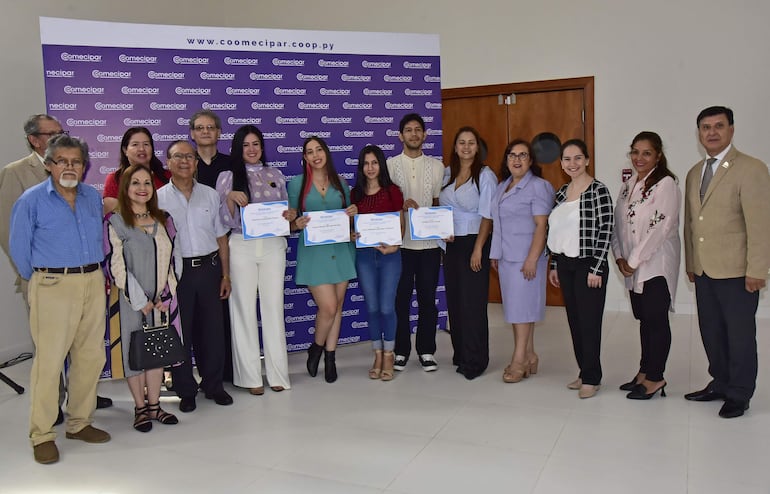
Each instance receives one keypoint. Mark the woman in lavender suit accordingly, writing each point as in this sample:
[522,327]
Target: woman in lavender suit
[520,209]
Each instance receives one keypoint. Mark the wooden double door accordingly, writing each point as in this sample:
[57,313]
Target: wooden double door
[503,112]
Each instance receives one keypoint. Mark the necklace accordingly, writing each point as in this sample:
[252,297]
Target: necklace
[325,184]
[139,216]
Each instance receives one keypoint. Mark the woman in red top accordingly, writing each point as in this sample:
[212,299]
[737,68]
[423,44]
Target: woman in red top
[136,148]
[379,268]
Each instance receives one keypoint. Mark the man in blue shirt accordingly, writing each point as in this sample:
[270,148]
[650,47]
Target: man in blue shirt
[56,244]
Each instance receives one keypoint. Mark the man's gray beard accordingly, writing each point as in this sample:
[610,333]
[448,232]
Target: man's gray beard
[68,183]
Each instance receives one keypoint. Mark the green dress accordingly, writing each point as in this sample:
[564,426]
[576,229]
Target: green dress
[322,264]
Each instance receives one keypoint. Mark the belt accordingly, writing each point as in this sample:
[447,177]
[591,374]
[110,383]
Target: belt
[88,268]
[195,262]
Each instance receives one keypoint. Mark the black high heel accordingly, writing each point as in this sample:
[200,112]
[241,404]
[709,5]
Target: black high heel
[630,385]
[640,392]
[314,358]
[330,366]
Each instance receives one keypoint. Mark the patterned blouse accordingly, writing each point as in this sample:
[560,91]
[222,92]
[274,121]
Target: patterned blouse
[266,184]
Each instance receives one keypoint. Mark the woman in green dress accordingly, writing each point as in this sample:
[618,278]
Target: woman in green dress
[325,269]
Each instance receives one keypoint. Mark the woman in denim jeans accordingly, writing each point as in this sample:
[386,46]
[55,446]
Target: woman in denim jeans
[379,268]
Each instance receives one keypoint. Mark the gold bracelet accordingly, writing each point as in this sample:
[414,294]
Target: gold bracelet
[225,277]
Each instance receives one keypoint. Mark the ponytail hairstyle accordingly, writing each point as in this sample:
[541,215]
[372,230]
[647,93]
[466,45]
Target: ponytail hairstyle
[661,168]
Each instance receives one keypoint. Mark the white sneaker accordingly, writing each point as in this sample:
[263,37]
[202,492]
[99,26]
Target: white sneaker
[428,362]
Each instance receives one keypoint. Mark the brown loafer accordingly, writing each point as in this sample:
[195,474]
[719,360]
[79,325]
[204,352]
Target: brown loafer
[90,434]
[277,389]
[46,452]
[257,391]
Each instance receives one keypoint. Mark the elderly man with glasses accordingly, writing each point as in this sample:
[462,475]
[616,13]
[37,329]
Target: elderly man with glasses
[19,176]
[56,244]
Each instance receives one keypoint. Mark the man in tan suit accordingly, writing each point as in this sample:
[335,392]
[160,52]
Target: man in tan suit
[727,256]
[20,175]
[17,177]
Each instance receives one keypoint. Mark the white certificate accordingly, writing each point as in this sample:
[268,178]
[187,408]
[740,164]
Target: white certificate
[327,227]
[431,223]
[378,228]
[264,219]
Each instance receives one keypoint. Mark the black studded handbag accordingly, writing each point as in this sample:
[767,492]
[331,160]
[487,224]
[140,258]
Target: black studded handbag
[154,347]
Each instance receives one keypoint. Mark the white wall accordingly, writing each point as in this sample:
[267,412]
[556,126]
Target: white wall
[656,63]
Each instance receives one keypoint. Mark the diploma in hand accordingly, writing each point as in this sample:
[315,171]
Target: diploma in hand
[431,223]
[327,227]
[378,228]
[264,219]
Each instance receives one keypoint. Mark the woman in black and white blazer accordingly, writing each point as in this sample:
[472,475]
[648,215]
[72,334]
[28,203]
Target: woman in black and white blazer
[580,230]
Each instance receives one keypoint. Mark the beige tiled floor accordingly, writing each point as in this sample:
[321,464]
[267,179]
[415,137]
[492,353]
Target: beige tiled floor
[425,432]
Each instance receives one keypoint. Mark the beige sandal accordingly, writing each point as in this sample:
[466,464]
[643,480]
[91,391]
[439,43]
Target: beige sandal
[376,370]
[387,366]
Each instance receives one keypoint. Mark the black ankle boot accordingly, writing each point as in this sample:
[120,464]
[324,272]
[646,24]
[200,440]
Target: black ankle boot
[330,367]
[313,358]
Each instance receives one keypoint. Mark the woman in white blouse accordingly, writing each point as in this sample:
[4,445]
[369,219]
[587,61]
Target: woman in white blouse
[646,247]
[468,190]
[579,234]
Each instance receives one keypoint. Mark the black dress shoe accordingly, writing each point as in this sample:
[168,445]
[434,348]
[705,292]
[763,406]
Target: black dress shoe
[103,402]
[220,397]
[187,404]
[733,408]
[59,418]
[704,395]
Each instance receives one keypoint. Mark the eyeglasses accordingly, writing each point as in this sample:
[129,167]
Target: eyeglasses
[50,134]
[519,156]
[63,163]
[646,154]
[201,128]
[183,157]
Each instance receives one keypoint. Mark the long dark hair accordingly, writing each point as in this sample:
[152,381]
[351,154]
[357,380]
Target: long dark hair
[307,173]
[454,160]
[240,179]
[534,166]
[661,168]
[383,179]
[124,203]
[156,166]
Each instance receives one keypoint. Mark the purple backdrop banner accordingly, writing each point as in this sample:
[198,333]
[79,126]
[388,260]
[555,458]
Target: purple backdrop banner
[349,88]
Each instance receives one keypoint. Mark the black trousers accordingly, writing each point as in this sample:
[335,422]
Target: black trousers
[419,270]
[650,308]
[728,327]
[467,294]
[200,311]
[585,308]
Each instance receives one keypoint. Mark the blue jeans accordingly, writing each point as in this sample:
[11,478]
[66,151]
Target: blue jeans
[378,276]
